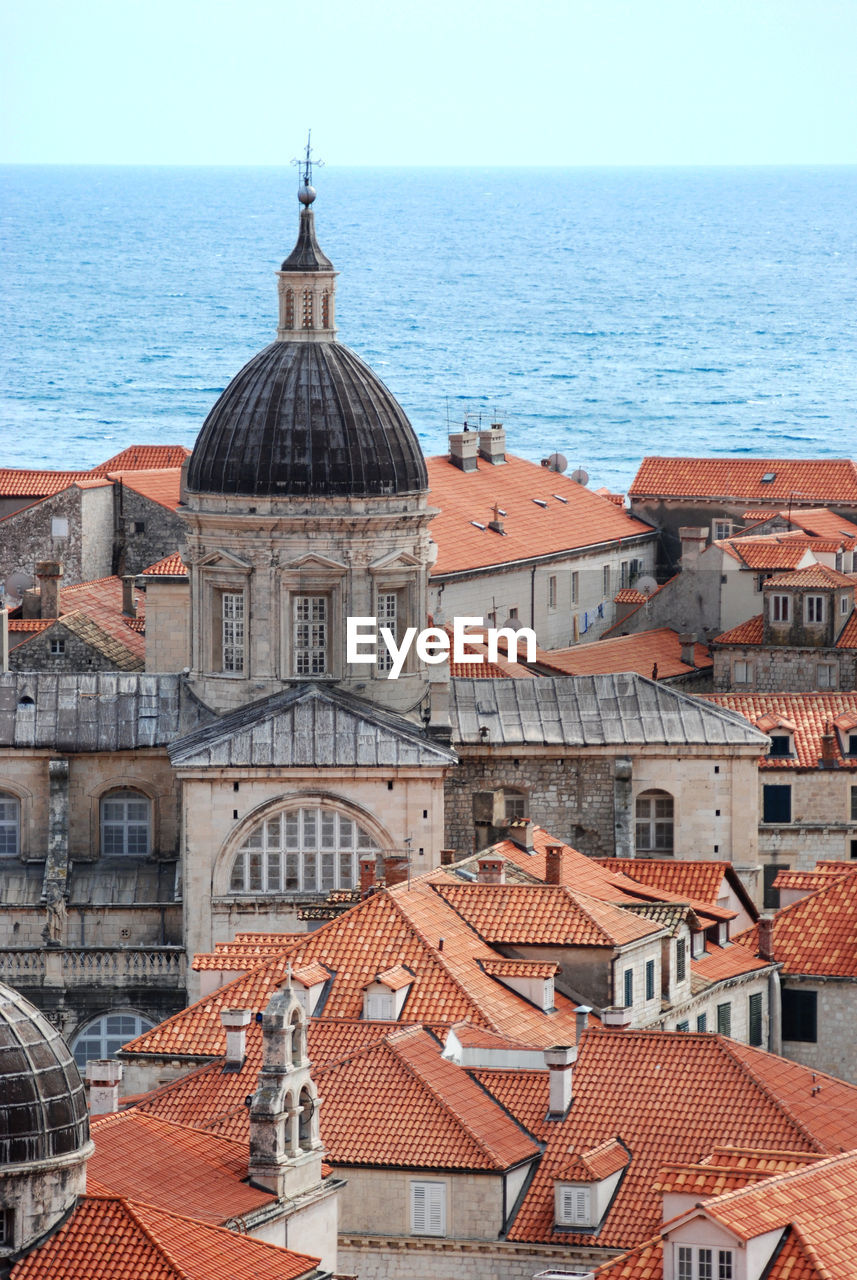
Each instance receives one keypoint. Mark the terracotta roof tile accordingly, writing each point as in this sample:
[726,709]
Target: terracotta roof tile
[818,933]
[731,961]
[848,635]
[544,915]
[170,567]
[595,1164]
[669,1097]
[808,881]
[110,1238]
[395,978]
[776,553]
[827,480]
[810,713]
[582,520]
[19,482]
[144,457]
[814,575]
[101,600]
[207,1174]
[630,595]
[161,486]
[638,652]
[702,881]
[621,621]
[520,968]
[749,632]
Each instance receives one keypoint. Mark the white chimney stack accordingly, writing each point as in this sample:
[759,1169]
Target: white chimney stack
[103,1078]
[235,1022]
[559,1060]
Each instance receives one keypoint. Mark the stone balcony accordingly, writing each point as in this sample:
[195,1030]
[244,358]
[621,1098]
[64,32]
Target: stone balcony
[116,968]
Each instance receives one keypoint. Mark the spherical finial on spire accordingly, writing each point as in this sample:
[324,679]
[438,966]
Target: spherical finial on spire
[306,194]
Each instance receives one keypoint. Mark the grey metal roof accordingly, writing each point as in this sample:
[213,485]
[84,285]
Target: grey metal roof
[583,711]
[107,711]
[309,726]
[305,419]
[307,254]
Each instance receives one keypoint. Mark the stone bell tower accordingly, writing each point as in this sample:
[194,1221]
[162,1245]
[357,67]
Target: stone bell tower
[285,1148]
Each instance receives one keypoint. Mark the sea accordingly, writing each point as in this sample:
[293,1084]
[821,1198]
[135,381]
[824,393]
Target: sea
[602,314]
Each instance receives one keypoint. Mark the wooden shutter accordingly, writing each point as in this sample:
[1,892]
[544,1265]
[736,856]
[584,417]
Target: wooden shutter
[428,1208]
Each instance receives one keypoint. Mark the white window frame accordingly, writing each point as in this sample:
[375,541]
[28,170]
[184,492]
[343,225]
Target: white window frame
[781,607]
[310,634]
[57,646]
[573,1205]
[233,632]
[308,850]
[844,606]
[703,1262]
[742,671]
[105,1035]
[658,830]
[387,614]
[379,1006]
[830,678]
[428,1208]
[10,825]
[814,610]
[59,526]
[125,834]
[552,592]
[575,586]
[722,529]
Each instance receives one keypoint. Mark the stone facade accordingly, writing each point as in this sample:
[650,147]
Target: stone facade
[408,1258]
[60,648]
[74,527]
[781,669]
[835,1048]
[168,645]
[146,530]
[823,817]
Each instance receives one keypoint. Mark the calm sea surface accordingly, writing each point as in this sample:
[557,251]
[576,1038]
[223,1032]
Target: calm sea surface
[602,313]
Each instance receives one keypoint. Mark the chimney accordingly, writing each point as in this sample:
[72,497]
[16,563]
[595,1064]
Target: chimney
[395,869]
[693,540]
[520,832]
[447,857]
[553,864]
[129,602]
[687,640]
[491,871]
[581,1019]
[559,1060]
[766,938]
[828,748]
[236,1022]
[48,574]
[492,444]
[367,874]
[462,449]
[497,523]
[103,1079]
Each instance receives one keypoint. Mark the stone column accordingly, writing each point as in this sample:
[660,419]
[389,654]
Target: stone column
[623,812]
[55,883]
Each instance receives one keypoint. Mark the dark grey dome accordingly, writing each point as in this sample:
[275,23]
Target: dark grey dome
[307,419]
[42,1101]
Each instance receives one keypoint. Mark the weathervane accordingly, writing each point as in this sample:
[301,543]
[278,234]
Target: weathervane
[306,192]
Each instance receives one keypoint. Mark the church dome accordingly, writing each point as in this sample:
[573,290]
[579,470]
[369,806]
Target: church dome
[43,1111]
[307,419]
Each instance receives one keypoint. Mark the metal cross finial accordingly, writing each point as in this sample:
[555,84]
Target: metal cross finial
[307,161]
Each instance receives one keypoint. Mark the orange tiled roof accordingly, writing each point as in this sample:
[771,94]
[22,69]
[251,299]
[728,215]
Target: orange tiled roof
[19,482]
[581,520]
[731,961]
[729,1168]
[810,713]
[395,978]
[144,457]
[170,567]
[311,974]
[599,1162]
[671,1097]
[818,933]
[749,632]
[848,635]
[392,927]
[173,1167]
[520,968]
[818,522]
[808,881]
[29,625]
[814,575]
[642,604]
[639,652]
[111,1238]
[701,881]
[826,480]
[775,553]
[793,1261]
[543,915]
[161,486]
[630,595]
[101,600]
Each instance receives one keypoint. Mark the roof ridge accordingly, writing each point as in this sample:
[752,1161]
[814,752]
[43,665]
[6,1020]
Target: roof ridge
[437,956]
[725,1045]
[130,1208]
[789,1174]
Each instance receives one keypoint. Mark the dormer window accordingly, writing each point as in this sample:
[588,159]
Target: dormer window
[573,1206]
[384,998]
[814,609]
[697,944]
[781,744]
[701,1262]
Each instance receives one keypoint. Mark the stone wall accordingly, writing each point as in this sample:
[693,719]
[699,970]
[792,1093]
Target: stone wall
[835,1050]
[781,670]
[414,1259]
[161,534]
[821,825]
[77,656]
[167,625]
[86,552]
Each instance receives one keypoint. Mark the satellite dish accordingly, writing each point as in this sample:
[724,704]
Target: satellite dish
[646,585]
[580,476]
[557,462]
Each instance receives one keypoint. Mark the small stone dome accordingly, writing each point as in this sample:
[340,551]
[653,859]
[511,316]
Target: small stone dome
[43,1111]
[307,419]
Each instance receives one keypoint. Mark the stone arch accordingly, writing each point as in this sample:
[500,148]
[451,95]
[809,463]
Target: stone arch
[306,1117]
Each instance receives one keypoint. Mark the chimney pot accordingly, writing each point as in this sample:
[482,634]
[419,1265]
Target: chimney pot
[235,1023]
[553,864]
[828,747]
[463,446]
[581,1019]
[693,540]
[367,874]
[395,869]
[559,1060]
[103,1078]
[521,833]
[687,640]
[492,444]
[129,602]
[447,857]
[766,938]
[491,871]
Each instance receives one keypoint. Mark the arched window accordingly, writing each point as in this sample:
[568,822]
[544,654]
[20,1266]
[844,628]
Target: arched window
[654,822]
[290,309]
[301,851]
[126,819]
[106,1035]
[307,1106]
[10,825]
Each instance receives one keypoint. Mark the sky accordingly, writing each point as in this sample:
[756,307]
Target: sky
[451,82]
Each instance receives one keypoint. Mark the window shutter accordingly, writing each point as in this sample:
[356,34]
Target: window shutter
[567,1204]
[428,1208]
[436,1209]
[418,1208]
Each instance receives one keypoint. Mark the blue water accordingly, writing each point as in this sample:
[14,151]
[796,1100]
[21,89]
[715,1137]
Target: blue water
[602,313]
